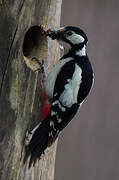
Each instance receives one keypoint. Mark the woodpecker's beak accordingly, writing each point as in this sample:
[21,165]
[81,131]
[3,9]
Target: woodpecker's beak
[55,34]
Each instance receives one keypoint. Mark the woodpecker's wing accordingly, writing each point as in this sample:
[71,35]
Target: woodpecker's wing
[64,104]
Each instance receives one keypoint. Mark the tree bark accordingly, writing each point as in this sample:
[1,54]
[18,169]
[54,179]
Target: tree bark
[20,96]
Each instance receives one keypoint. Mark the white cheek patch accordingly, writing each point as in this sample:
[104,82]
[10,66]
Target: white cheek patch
[70,93]
[75,38]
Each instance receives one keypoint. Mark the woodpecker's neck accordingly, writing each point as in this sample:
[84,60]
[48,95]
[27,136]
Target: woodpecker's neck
[76,50]
[81,52]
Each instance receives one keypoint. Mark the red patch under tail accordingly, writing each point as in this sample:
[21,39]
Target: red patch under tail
[47,105]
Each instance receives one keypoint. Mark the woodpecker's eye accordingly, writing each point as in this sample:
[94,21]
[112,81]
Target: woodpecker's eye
[69,33]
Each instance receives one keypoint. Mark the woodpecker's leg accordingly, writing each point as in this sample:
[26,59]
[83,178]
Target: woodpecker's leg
[41,68]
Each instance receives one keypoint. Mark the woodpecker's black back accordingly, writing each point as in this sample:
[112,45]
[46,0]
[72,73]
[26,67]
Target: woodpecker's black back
[87,78]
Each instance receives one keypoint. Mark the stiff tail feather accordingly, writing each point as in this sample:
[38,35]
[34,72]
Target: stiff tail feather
[38,143]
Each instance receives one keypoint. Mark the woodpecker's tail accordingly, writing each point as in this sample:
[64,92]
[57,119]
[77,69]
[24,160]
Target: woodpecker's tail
[38,142]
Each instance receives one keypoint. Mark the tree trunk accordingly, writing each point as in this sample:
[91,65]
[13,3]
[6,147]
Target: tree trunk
[20,96]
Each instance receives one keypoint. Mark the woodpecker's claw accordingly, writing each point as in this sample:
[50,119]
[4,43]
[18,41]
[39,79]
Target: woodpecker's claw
[41,66]
[41,63]
[38,61]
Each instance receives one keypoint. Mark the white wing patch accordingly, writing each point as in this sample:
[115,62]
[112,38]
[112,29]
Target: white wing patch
[50,81]
[70,93]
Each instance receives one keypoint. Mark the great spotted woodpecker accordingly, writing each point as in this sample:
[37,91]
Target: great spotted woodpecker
[67,85]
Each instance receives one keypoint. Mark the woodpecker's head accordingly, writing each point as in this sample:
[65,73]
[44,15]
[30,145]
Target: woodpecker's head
[70,37]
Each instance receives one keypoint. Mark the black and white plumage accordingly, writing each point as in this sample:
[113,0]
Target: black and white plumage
[67,85]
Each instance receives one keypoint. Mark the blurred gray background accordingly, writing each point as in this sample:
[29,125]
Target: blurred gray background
[88,148]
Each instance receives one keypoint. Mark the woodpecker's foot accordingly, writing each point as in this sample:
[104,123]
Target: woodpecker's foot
[41,66]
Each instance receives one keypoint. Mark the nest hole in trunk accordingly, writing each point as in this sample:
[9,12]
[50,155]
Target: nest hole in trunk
[35,43]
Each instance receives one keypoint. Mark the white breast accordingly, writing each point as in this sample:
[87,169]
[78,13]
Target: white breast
[70,93]
[50,81]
